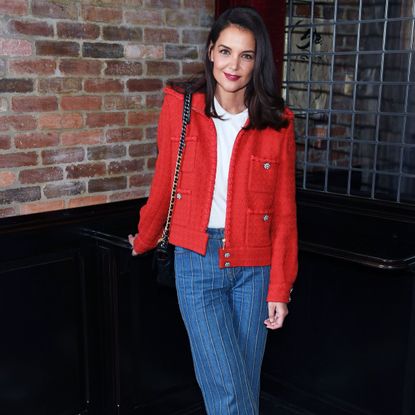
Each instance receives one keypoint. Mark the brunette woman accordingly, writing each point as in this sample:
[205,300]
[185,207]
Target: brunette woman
[234,220]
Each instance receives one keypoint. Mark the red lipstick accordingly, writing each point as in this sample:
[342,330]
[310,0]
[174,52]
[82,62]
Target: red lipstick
[231,77]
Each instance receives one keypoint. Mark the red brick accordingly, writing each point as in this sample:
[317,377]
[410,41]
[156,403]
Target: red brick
[39,207]
[154,101]
[143,85]
[136,194]
[192,68]
[87,201]
[122,33]
[102,50]
[124,134]
[19,7]
[162,68]
[199,4]
[41,175]
[195,36]
[80,67]
[5,142]
[144,52]
[172,4]
[189,17]
[102,14]
[57,48]
[143,149]
[30,28]
[77,30]
[18,159]
[151,133]
[84,137]
[123,102]
[55,190]
[81,103]
[18,122]
[6,212]
[59,85]
[151,163]
[16,85]
[60,121]
[36,140]
[180,52]
[34,104]
[63,155]
[22,194]
[143,117]
[140,180]
[103,119]
[75,171]
[54,9]
[143,17]
[161,35]
[38,67]
[7,178]
[107,184]
[15,47]
[125,166]
[103,85]
[106,152]
[121,68]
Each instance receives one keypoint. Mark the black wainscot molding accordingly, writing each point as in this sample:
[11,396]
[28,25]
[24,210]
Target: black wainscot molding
[86,330]
[348,346]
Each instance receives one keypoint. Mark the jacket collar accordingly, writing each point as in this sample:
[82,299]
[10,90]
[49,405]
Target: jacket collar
[198,99]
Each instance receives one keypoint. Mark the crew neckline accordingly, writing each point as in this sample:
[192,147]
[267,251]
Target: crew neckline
[222,110]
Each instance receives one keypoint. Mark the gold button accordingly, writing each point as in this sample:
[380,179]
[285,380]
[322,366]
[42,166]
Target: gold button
[227,255]
[266,218]
[179,196]
[227,264]
[267,166]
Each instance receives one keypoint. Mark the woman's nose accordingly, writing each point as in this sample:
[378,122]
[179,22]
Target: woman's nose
[234,63]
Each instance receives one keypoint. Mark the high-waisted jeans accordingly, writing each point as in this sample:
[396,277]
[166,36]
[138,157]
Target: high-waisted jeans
[223,311]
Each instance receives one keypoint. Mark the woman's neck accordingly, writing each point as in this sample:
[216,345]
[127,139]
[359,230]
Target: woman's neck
[233,103]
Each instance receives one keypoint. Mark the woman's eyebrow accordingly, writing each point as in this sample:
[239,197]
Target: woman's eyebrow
[244,51]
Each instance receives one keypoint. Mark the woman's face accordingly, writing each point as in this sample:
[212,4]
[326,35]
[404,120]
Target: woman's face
[233,57]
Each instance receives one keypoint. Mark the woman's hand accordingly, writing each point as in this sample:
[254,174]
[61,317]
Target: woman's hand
[131,241]
[277,313]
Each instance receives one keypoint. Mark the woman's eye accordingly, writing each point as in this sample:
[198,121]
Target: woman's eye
[224,51]
[248,56]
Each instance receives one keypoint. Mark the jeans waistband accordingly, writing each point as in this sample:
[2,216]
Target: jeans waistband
[216,233]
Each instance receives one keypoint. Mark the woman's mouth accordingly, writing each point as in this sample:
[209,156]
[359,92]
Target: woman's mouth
[231,77]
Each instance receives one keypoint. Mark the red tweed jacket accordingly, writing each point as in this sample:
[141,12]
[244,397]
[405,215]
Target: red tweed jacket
[261,227]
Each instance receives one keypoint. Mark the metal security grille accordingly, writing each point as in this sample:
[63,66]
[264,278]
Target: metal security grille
[349,76]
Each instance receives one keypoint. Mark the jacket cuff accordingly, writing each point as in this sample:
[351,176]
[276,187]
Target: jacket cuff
[280,294]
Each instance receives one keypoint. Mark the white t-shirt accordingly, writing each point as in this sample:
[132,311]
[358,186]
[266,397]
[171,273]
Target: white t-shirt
[226,131]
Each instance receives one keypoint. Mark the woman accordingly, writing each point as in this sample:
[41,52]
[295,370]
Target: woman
[234,220]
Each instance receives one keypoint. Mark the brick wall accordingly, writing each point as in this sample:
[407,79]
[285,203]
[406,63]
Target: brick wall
[80,93]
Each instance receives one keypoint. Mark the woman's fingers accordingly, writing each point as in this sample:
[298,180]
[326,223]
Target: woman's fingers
[131,241]
[276,315]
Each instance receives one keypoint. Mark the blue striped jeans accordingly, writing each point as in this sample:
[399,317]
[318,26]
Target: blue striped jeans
[223,311]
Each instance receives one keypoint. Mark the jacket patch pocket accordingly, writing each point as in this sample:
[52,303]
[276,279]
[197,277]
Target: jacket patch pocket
[258,228]
[262,174]
[182,205]
[189,152]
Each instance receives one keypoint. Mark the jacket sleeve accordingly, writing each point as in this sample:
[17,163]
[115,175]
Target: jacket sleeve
[154,213]
[284,263]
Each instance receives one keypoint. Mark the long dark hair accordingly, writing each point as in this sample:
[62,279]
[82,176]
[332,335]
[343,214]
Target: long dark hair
[264,104]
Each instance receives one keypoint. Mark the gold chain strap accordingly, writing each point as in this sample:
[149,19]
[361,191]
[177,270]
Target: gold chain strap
[186,120]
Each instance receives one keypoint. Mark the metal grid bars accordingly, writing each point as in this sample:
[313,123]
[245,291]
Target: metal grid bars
[349,76]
